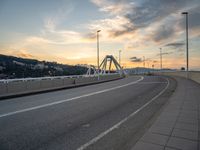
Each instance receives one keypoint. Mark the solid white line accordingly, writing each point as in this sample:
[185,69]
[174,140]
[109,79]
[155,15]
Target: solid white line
[152,83]
[70,99]
[94,140]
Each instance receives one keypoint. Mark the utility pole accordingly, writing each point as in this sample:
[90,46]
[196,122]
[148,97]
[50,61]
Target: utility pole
[160,58]
[144,61]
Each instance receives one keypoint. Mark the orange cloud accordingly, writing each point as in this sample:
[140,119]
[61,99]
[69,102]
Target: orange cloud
[24,55]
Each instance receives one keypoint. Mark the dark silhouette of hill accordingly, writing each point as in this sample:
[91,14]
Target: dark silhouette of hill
[16,67]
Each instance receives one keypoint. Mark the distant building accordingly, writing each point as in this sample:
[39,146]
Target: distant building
[18,63]
[40,66]
[58,69]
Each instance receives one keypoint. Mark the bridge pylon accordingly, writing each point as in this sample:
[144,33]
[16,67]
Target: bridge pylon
[106,65]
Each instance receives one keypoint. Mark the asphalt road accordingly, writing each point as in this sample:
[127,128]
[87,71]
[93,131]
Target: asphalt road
[103,116]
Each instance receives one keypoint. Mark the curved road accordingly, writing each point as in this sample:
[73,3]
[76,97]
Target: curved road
[109,115]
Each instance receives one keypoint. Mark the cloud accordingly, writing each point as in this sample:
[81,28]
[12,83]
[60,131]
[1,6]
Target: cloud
[17,52]
[37,40]
[175,45]
[161,18]
[167,53]
[155,61]
[125,29]
[59,15]
[117,24]
[112,27]
[163,33]
[91,36]
[193,18]
[52,34]
[49,24]
[113,7]
[193,21]
[135,59]
[24,55]
[150,11]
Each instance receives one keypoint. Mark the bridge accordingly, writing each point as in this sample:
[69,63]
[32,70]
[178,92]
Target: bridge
[83,112]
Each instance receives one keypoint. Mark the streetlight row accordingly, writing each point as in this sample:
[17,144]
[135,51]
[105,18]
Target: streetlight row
[187,53]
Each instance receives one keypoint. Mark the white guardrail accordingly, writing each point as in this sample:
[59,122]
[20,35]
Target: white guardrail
[40,78]
[30,85]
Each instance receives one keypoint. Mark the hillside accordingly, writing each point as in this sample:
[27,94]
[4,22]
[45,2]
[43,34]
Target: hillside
[15,67]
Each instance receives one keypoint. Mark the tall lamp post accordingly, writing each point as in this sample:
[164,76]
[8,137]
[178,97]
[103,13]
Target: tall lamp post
[120,57]
[187,61]
[98,51]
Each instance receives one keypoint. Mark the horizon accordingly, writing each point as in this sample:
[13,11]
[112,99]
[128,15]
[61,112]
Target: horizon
[87,64]
[65,31]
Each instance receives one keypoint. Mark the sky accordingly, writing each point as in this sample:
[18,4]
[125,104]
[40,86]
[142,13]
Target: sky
[65,31]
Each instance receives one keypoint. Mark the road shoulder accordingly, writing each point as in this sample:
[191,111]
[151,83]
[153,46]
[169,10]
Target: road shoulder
[176,127]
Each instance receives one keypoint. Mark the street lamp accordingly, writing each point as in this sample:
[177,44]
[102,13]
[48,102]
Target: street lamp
[144,61]
[120,57]
[160,58]
[98,51]
[186,17]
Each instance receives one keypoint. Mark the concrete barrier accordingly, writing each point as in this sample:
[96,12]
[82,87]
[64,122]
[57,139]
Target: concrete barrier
[110,77]
[46,83]
[85,80]
[32,85]
[69,81]
[16,86]
[3,88]
[58,82]
[193,75]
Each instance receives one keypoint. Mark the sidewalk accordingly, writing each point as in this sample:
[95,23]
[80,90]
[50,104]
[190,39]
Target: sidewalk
[177,127]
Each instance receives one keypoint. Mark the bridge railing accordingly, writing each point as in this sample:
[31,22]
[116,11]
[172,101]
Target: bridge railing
[193,75]
[31,85]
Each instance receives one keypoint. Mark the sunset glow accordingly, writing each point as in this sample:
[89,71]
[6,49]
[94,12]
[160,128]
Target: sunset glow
[65,31]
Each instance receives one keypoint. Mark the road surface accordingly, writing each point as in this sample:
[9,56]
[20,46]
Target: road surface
[109,115]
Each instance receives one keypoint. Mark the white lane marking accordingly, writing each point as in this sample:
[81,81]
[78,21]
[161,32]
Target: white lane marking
[152,83]
[101,135]
[70,99]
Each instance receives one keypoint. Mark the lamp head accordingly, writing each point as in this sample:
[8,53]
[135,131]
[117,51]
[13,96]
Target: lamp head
[184,13]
